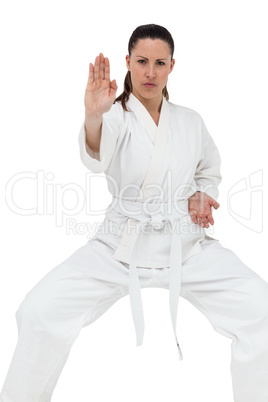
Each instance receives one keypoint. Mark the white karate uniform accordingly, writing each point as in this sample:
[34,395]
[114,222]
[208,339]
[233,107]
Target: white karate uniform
[151,172]
[151,184]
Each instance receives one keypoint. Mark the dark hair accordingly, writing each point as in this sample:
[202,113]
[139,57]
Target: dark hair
[151,31]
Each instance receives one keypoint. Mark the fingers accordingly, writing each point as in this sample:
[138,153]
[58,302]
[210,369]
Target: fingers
[203,222]
[106,69]
[114,85]
[193,217]
[91,73]
[210,219]
[100,70]
[202,219]
[214,204]
[97,68]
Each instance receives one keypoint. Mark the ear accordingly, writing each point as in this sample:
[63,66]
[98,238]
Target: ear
[128,62]
[172,65]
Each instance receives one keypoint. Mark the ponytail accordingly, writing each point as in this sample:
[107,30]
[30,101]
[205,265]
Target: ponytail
[124,97]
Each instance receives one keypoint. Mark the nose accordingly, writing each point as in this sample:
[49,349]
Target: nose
[150,71]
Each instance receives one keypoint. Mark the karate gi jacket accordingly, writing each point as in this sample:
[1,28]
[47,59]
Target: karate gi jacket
[151,172]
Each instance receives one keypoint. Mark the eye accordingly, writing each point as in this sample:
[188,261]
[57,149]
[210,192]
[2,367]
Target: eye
[142,61]
[160,63]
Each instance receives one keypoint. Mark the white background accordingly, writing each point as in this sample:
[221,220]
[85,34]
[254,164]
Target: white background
[221,72]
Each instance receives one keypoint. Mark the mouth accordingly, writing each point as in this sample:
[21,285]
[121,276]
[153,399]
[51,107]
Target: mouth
[149,85]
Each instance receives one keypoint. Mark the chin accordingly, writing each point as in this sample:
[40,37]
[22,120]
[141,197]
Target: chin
[150,94]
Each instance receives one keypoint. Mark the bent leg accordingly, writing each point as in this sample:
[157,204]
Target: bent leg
[72,295]
[235,300]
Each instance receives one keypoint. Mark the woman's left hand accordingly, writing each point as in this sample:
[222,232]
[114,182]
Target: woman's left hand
[199,206]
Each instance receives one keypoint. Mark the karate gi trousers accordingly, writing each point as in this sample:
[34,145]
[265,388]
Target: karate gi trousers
[79,290]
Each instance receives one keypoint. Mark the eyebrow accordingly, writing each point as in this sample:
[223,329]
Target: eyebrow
[148,59]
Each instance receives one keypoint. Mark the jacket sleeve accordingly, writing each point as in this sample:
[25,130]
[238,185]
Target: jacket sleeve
[207,175]
[99,161]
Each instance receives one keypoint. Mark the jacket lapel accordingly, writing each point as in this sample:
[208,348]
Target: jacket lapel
[158,135]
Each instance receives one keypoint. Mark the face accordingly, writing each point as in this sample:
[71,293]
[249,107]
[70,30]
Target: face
[150,64]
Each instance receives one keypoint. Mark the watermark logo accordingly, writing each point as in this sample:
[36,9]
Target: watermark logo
[245,201]
[43,196]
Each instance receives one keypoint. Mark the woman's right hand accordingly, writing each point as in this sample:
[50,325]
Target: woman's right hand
[100,91]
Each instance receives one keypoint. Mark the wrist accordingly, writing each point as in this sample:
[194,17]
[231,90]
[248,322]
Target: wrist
[93,120]
[92,115]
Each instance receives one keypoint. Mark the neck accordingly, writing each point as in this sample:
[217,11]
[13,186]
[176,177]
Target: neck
[153,105]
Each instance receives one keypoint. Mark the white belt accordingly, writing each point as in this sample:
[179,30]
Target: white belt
[136,214]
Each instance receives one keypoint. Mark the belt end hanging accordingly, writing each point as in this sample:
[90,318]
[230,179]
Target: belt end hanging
[139,343]
[180,352]
[139,336]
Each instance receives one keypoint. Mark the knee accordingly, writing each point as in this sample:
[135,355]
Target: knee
[259,297]
[252,328]
[255,322]
[44,299]
[35,307]
[38,319]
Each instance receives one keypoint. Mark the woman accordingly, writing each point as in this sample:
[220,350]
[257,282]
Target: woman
[163,170]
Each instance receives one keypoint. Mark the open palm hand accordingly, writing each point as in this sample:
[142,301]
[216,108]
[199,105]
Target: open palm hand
[199,206]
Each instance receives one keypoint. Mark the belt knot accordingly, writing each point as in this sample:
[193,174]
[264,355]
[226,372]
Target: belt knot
[156,221]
